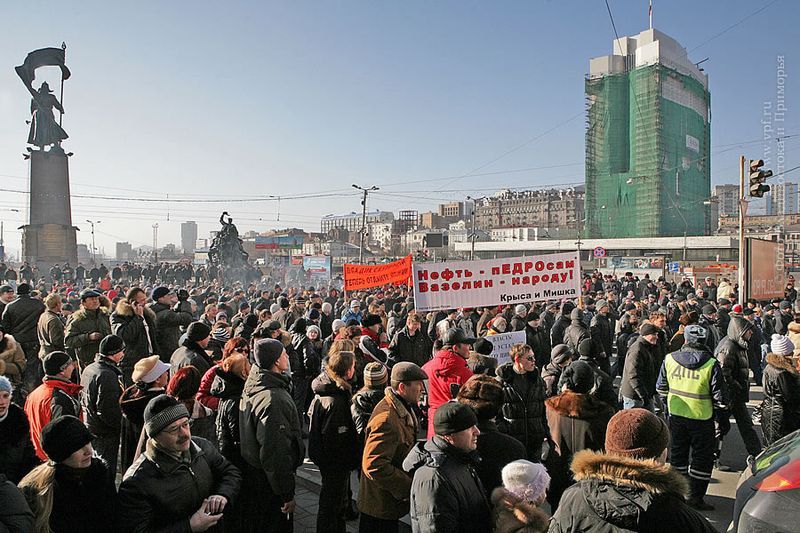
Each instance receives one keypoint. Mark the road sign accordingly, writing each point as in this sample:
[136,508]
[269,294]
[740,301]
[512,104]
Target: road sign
[674,266]
[599,252]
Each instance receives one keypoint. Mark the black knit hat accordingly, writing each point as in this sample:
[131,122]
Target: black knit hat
[197,331]
[560,353]
[484,346]
[648,329]
[370,320]
[453,417]
[266,352]
[162,411]
[55,362]
[64,436]
[579,377]
[111,345]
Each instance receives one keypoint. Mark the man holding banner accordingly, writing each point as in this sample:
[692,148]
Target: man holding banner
[447,371]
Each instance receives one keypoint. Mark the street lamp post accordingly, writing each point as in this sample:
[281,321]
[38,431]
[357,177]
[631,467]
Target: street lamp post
[472,235]
[366,192]
[94,249]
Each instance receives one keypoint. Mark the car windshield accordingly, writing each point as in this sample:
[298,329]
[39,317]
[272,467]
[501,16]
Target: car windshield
[788,447]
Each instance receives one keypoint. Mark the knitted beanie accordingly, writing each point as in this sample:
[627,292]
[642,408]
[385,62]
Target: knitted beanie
[5,385]
[781,345]
[162,411]
[266,352]
[64,436]
[579,377]
[375,375]
[525,480]
[636,433]
[197,331]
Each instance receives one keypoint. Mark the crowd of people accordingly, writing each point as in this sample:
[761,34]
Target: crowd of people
[167,402]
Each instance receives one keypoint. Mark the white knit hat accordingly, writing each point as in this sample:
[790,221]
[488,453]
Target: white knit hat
[526,480]
[781,345]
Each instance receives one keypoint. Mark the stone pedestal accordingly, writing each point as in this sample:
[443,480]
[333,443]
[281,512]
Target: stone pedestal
[49,237]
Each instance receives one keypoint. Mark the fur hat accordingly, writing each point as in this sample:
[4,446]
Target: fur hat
[484,346]
[64,436]
[781,345]
[636,433]
[484,394]
[526,480]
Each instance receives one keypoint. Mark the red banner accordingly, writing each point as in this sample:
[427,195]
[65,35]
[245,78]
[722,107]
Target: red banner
[358,277]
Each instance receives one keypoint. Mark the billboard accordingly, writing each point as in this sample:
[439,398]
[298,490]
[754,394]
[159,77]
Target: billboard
[318,266]
[766,275]
[490,282]
[278,243]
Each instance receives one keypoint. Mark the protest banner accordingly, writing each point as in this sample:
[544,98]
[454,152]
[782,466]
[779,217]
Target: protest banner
[502,343]
[358,277]
[490,282]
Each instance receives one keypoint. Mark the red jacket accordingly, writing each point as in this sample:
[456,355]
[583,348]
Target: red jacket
[53,398]
[204,392]
[446,368]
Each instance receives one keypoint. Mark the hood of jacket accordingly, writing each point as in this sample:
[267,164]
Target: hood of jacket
[324,385]
[226,384]
[73,389]
[515,514]
[576,405]
[576,317]
[736,330]
[620,489]
[692,356]
[434,452]
[261,380]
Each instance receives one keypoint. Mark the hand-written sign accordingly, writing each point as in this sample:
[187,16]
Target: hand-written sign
[503,342]
[365,276]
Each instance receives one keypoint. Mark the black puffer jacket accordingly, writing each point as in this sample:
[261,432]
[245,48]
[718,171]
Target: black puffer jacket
[640,372]
[732,356]
[15,515]
[602,328]
[523,410]
[228,387]
[780,412]
[446,494]
[129,326]
[160,493]
[616,494]
[412,348]
[190,354]
[557,332]
[364,402]
[100,397]
[577,330]
[538,339]
[20,318]
[332,440]
[603,383]
[168,323]
[18,456]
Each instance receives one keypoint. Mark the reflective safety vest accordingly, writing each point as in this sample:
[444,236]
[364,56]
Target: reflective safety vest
[689,389]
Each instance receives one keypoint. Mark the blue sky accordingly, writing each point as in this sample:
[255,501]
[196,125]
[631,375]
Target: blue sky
[204,100]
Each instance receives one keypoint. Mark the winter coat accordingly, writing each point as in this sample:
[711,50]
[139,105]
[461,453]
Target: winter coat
[780,411]
[577,422]
[724,290]
[15,514]
[333,443]
[167,326]
[523,407]
[190,354]
[446,494]
[732,355]
[482,364]
[160,493]
[53,398]
[204,395]
[446,372]
[616,493]
[391,432]
[310,360]
[551,374]
[640,372]
[512,514]
[21,316]
[363,404]
[227,388]
[496,450]
[102,389]
[577,330]
[602,329]
[139,334]
[132,403]
[84,501]
[394,323]
[80,325]
[782,321]
[412,348]
[538,339]
[18,456]
[50,332]
[12,360]
[558,330]
[270,430]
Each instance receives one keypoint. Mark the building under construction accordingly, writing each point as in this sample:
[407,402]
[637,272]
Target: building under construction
[647,141]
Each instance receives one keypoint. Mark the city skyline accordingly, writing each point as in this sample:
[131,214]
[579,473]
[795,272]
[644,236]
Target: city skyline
[230,102]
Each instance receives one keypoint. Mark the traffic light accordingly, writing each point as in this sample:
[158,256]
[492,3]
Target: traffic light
[757,178]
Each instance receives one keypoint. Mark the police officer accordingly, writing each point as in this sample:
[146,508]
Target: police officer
[692,387]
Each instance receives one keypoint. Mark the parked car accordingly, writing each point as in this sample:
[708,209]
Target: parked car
[768,493]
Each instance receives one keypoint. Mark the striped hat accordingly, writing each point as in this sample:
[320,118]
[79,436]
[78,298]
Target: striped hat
[375,375]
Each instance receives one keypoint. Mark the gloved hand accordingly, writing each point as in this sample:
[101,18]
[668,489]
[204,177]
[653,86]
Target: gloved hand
[722,422]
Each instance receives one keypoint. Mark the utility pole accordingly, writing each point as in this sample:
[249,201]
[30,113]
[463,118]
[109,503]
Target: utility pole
[155,243]
[94,249]
[742,214]
[472,235]
[363,219]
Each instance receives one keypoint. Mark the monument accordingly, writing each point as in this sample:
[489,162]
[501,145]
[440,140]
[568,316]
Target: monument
[49,237]
[227,253]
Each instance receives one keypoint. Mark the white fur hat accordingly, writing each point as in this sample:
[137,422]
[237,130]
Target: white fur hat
[526,480]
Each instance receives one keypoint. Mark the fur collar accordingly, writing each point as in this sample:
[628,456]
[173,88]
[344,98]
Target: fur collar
[124,308]
[794,327]
[514,514]
[646,474]
[778,361]
[576,405]
[82,313]
[11,346]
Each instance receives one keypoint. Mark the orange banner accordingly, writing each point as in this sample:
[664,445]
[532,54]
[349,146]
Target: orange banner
[358,277]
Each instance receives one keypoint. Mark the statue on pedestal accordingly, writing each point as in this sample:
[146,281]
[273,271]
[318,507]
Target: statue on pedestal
[45,131]
[228,254]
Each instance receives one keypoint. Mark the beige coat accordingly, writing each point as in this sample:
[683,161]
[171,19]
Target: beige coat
[12,361]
